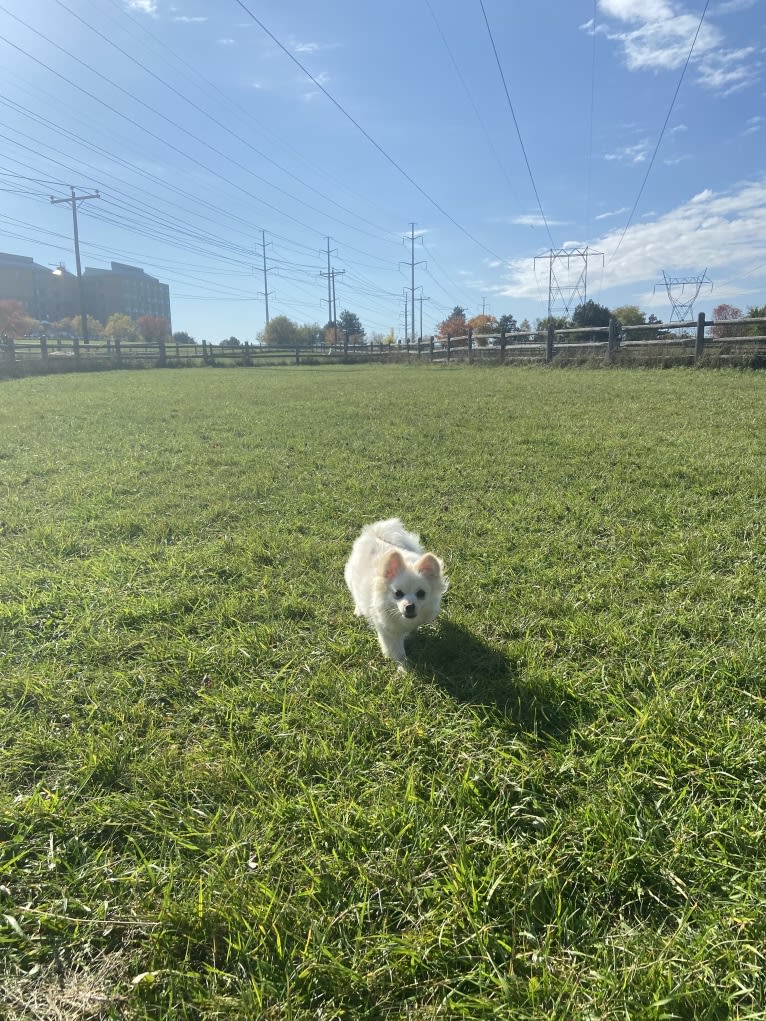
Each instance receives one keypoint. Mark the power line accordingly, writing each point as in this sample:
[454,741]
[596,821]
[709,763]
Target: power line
[515,122]
[366,134]
[662,132]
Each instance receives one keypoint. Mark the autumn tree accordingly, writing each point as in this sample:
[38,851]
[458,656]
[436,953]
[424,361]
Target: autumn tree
[72,327]
[121,327]
[482,325]
[14,321]
[724,313]
[455,324]
[154,329]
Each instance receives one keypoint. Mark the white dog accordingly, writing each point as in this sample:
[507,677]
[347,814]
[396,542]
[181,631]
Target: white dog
[395,584]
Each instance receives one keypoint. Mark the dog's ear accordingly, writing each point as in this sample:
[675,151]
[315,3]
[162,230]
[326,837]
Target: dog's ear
[429,566]
[392,564]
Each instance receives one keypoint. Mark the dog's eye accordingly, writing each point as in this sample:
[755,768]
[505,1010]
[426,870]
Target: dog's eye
[398,594]
[420,594]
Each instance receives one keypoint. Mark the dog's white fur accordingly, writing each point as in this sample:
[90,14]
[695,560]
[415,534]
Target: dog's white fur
[395,583]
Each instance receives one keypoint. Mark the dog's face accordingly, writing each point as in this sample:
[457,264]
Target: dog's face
[412,594]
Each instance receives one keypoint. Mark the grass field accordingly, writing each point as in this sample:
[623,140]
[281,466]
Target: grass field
[218,801]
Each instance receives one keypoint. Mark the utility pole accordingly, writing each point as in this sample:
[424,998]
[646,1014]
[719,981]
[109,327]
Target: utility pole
[413,264]
[265,278]
[331,310]
[74,199]
[421,299]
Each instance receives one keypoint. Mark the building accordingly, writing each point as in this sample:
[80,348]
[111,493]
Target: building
[125,289]
[47,295]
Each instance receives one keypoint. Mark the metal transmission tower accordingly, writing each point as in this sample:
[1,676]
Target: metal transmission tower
[331,309]
[683,292]
[74,199]
[412,264]
[567,278]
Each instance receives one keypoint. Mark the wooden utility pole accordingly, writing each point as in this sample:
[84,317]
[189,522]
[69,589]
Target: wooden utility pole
[73,200]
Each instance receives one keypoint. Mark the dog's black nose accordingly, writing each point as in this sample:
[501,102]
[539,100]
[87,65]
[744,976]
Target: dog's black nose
[410,610]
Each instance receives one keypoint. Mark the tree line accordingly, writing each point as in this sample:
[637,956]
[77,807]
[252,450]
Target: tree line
[592,314]
[15,323]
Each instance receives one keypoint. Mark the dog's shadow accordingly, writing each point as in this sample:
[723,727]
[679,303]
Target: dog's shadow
[473,673]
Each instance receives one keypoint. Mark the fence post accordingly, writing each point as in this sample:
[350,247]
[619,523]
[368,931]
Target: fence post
[44,349]
[10,349]
[699,343]
[345,343]
[76,348]
[613,341]
[431,349]
[163,353]
[117,351]
[420,341]
[549,343]
[449,347]
[502,345]
[470,345]
[297,355]
[204,351]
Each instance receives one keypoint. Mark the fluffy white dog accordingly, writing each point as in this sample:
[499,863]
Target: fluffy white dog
[395,584]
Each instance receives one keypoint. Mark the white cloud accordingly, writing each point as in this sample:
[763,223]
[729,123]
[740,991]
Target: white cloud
[226,41]
[305,47]
[753,125]
[144,6]
[637,153]
[185,19]
[535,220]
[657,37]
[723,231]
[614,212]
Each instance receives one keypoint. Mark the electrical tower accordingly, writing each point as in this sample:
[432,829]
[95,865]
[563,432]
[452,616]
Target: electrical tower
[331,308]
[412,264]
[74,199]
[683,292]
[567,278]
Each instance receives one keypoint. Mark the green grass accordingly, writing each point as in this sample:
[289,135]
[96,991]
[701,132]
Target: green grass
[218,801]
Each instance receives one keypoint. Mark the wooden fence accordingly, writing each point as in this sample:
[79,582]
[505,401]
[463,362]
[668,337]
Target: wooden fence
[699,342]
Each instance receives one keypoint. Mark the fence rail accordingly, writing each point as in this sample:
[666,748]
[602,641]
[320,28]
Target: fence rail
[700,341]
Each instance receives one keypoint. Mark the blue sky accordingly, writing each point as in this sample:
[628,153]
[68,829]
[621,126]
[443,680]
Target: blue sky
[201,131]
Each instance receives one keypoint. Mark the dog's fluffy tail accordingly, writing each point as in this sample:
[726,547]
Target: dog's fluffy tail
[393,531]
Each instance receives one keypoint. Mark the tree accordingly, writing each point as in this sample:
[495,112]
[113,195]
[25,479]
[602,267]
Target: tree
[723,313]
[310,335]
[14,321]
[507,323]
[454,325]
[121,327]
[557,322]
[154,329]
[629,315]
[281,332]
[72,327]
[590,313]
[183,339]
[349,323]
[481,326]
[230,342]
[756,329]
